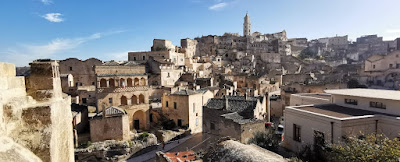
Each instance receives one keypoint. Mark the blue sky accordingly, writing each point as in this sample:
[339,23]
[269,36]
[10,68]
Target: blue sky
[108,29]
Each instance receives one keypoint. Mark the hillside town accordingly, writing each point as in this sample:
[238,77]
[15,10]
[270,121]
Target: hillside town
[247,96]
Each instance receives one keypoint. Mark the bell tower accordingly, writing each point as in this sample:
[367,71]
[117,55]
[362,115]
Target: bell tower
[246,25]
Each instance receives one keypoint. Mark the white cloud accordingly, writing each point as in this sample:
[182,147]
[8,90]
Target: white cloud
[53,17]
[218,6]
[46,2]
[25,53]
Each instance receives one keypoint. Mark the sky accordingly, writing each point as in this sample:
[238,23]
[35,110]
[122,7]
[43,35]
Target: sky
[109,29]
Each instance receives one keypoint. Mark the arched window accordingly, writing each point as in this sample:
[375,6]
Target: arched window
[103,83]
[136,82]
[122,83]
[134,100]
[142,82]
[124,100]
[141,99]
[112,82]
[129,82]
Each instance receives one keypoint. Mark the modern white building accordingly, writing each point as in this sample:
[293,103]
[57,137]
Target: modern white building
[352,112]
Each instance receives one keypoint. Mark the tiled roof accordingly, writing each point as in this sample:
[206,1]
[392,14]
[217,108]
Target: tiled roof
[203,90]
[185,92]
[110,75]
[126,63]
[111,63]
[237,104]
[131,63]
[237,118]
[203,79]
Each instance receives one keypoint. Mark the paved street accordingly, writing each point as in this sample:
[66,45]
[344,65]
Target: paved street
[152,154]
[195,142]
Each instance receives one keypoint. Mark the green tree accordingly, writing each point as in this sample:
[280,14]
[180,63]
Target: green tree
[266,139]
[369,148]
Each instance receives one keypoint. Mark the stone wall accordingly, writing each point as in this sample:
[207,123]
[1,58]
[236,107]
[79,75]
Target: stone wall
[82,71]
[44,126]
[108,128]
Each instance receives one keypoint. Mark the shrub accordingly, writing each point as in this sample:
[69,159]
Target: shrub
[266,139]
[168,124]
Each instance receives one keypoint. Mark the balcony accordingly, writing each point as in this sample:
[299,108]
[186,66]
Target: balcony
[120,89]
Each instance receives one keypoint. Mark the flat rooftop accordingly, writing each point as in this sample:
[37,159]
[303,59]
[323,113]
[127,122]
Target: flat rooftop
[326,96]
[367,93]
[339,111]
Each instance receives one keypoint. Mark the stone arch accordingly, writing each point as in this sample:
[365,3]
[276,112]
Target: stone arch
[103,83]
[129,82]
[124,101]
[111,82]
[134,100]
[141,99]
[122,82]
[142,82]
[136,81]
[139,120]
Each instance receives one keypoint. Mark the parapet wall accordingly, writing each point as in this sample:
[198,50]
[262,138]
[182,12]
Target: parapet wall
[42,128]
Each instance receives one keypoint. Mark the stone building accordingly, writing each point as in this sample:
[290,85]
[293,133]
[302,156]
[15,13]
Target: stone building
[246,26]
[189,47]
[162,72]
[236,116]
[382,71]
[177,58]
[111,124]
[125,86]
[353,112]
[369,45]
[185,108]
[230,44]
[78,79]
[82,71]
[35,116]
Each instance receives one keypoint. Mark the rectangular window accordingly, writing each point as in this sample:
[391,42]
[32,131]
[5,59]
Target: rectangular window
[110,101]
[194,107]
[378,105]
[174,105]
[84,100]
[296,133]
[70,68]
[166,103]
[212,126]
[390,65]
[197,121]
[351,101]
[319,138]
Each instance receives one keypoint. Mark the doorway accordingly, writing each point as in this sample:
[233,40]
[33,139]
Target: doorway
[136,124]
[179,122]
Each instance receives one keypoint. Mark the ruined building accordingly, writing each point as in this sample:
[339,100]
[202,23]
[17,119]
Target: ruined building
[35,116]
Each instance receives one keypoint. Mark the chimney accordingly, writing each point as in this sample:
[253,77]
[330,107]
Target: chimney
[226,102]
